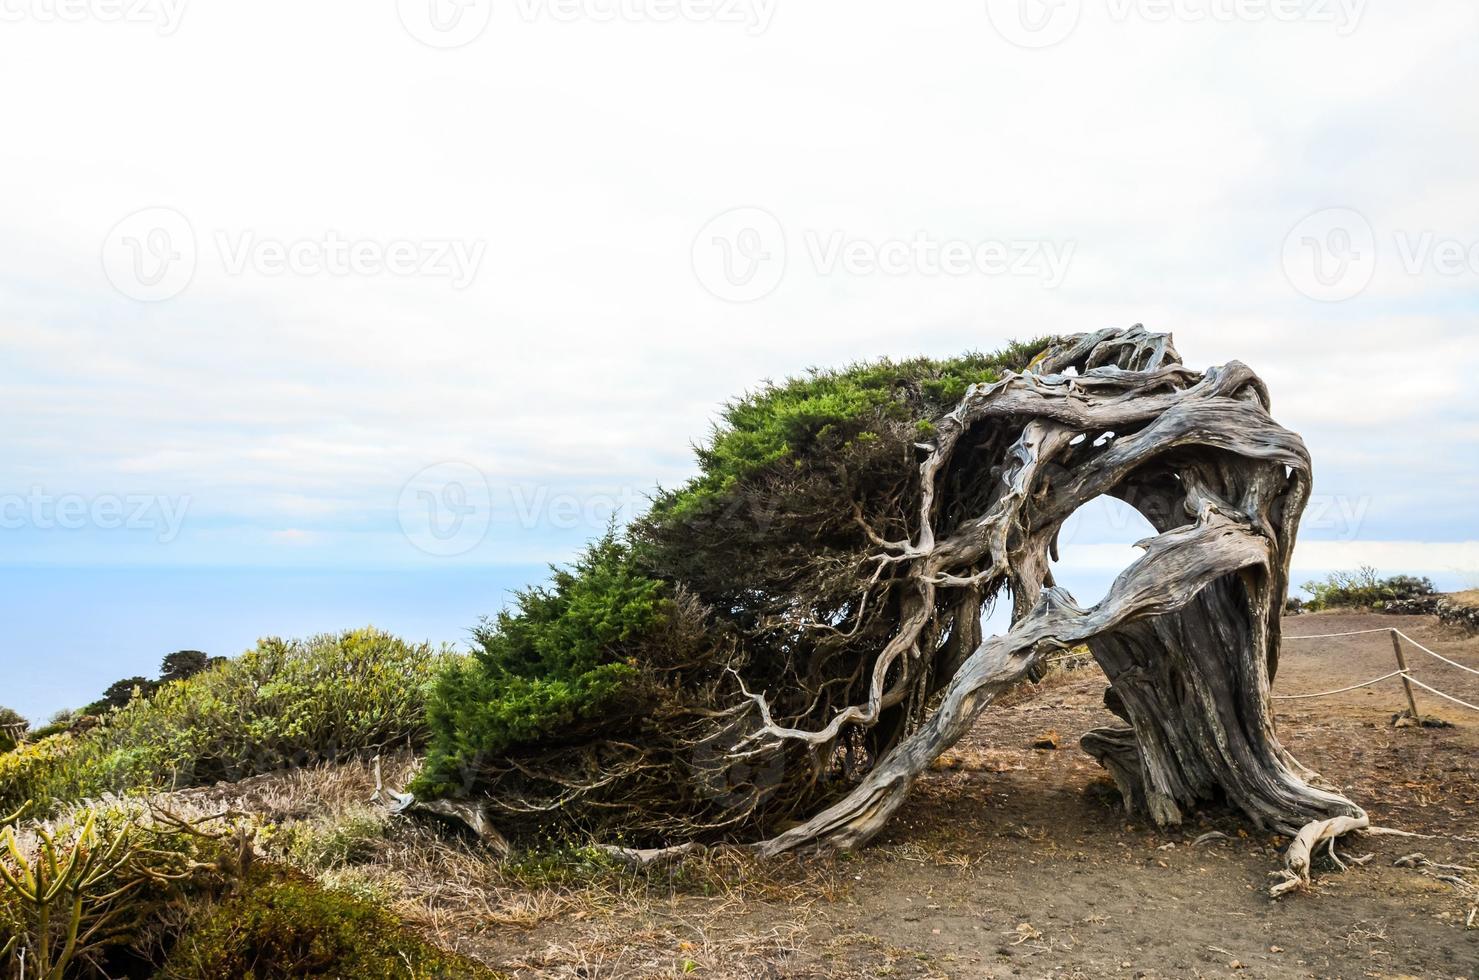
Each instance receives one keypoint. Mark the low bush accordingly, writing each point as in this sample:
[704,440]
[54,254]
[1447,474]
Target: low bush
[332,842]
[78,892]
[559,666]
[282,924]
[13,727]
[620,700]
[285,703]
[1364,588]
[122,887]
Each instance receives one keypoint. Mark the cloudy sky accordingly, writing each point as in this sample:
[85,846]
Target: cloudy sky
[319,314]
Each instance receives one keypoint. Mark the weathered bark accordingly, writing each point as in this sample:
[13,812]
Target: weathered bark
[1188,635]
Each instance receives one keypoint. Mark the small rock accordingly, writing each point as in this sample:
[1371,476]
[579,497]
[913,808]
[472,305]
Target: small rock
[1047,740]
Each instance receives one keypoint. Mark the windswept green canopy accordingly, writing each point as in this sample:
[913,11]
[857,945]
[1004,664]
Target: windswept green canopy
[782,644]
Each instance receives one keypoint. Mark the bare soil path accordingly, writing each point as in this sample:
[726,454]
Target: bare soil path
[1015,861]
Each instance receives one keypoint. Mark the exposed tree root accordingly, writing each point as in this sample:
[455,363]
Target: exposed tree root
[1296,873]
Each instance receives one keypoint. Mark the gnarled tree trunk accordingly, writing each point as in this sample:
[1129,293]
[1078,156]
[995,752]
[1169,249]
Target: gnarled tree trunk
[869,631]
[1188,635]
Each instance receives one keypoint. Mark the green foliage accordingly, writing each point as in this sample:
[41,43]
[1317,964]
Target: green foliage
[556,665]
[330,843]
[74,889]
[564,865]
[605,698]
[826,410]
[182,665]
[13,727]
[285,703]
[1364,587]
[55,725]
[284,925]
[120,693]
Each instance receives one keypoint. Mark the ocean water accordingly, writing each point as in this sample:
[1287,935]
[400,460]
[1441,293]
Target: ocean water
[67,633]
[70,632]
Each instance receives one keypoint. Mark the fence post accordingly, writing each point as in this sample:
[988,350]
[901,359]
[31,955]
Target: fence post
[1406,684]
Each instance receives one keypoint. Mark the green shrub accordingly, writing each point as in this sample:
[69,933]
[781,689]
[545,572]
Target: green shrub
[13,727]
[1364,588]
[330,843]
[283,704]
[610,701]
[283,925]
[557,666]
[79,889]
[826,410]
[55,725]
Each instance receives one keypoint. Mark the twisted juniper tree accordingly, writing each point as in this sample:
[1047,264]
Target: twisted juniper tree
[780,647]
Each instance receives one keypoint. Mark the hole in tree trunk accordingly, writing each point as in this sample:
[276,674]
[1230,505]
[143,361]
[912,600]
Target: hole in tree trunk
[1097,543]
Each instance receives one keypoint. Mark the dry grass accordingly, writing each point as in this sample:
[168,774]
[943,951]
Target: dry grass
[469,900]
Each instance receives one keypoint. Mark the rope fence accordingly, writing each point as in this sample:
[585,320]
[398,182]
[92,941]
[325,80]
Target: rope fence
[1338,690]
[1474,707]
[1402,671]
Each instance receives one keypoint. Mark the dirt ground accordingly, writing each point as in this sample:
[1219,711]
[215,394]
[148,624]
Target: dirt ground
[1011,861]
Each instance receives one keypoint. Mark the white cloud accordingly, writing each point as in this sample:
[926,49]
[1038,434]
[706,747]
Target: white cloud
[586,156]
